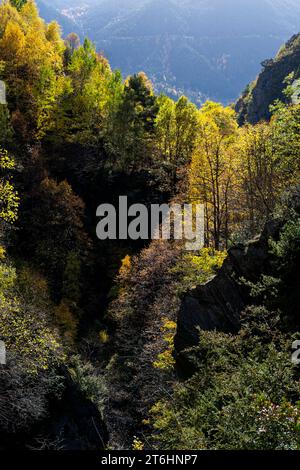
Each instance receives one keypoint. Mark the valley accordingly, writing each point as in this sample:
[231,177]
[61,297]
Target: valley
[202,49]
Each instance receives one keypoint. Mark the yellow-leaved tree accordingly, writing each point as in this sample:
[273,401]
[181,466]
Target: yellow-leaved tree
[259,181]
[212,172]
[31,55]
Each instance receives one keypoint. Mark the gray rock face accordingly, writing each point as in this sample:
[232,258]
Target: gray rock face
[217,305]
[254,105]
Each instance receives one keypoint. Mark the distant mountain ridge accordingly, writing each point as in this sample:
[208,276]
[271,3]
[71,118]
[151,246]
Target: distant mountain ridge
[50,13]
[202,48]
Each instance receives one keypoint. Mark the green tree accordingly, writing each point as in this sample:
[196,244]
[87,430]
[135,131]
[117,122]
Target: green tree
[176,129]
[9,200]
[18,3]
[286,127]
[71,278]
[136,123]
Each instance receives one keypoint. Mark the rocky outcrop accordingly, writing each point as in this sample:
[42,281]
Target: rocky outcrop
[254,105]
[217,305]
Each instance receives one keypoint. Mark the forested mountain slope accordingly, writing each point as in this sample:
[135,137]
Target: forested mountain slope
[231,346]
[201,48]
[102,345]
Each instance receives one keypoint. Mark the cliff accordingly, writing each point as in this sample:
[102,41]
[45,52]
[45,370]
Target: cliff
[217,305]
[254,104]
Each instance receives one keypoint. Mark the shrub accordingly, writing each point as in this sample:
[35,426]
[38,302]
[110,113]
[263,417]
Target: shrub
[242,396]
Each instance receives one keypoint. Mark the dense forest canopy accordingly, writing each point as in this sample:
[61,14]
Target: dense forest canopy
[74,311]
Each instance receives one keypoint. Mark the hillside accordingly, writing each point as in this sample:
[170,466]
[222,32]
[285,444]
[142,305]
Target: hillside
[254,104]
[202,48]
[114,336]
[49,11]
